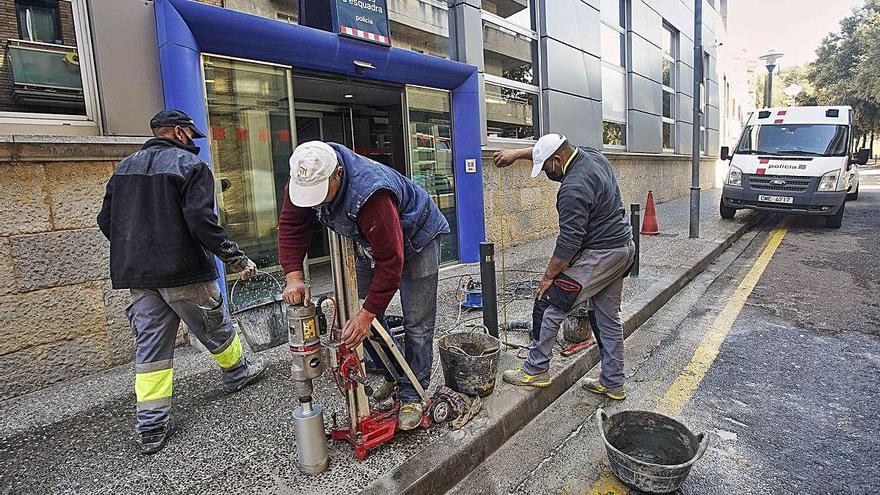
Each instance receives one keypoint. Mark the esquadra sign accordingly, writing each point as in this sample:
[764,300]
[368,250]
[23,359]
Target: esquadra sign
[362,19]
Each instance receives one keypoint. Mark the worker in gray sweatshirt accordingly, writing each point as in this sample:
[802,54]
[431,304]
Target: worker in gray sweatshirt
[593,253]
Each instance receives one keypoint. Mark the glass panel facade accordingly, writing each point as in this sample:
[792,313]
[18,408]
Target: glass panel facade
[510,113]
[613,94]
[668,133]
[517,12]
[613,46]
[668,104]
[509,54]
[42,69]
[667,72]
[430,135]
[251,143]
[613,134]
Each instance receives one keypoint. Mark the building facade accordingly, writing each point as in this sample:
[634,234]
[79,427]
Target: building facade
[453,81]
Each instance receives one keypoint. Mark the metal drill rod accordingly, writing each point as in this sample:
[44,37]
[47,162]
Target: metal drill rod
[342,264]
[378,328]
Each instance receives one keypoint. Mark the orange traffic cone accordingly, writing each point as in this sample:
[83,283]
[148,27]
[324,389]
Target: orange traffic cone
[649,224]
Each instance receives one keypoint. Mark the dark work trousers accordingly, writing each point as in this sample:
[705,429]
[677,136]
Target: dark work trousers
[599,271]
[418,298]
[155,316]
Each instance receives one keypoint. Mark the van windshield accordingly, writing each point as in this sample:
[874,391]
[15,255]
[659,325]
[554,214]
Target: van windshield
[794,139]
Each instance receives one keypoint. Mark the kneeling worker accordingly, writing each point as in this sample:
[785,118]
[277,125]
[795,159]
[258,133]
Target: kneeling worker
[395,226]
[593,252]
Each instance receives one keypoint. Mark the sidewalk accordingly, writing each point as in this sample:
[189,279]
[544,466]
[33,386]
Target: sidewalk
[77,437]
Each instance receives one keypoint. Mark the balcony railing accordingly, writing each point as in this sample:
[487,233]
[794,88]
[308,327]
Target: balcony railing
[45,75]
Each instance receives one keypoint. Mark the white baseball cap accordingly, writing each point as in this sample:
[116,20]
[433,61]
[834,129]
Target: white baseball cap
[544,149]
[311,165]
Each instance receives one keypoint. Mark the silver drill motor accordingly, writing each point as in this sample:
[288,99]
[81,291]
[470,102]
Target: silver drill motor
[305,326]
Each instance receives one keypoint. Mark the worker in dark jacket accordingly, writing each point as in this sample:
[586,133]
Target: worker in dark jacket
[396,228]
[158,213]
[593,252]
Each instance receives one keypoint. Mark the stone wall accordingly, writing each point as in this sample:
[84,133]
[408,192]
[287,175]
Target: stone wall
[59,317]
[526,207]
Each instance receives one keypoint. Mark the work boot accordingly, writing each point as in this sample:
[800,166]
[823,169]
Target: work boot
[520,378]
[593,385]
[152,441]
[255,369]
[384,391]
[410,416]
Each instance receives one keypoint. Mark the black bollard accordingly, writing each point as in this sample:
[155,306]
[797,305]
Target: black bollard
[487,283]
[634,220]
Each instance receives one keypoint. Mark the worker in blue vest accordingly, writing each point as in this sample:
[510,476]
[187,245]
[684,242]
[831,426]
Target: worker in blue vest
[396,228]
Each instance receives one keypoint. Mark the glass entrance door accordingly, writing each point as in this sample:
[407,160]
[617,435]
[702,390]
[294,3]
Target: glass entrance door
[431,166]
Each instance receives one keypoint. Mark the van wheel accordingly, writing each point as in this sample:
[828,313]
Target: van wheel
[853,195]
[834,221]
[726,212]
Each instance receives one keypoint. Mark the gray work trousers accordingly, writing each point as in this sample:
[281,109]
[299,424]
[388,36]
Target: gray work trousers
[599,271]
[418,298]
[155,316]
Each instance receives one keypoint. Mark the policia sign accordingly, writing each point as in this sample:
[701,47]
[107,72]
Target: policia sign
[363,19]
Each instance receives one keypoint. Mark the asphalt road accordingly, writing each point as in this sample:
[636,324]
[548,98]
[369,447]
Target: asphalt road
[773,351]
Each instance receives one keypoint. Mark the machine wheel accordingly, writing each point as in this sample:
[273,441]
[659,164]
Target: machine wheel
[726,212]
[853,195]
[440,411]
[834,221]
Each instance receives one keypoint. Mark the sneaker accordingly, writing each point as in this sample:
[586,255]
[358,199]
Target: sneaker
[593,385]
[384,391]
[520,378]
[410,415]
[152,441]
[255,370]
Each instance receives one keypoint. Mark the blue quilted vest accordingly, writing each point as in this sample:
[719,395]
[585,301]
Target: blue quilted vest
[419,216]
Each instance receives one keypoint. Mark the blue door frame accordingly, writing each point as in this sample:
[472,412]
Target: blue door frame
[186,29]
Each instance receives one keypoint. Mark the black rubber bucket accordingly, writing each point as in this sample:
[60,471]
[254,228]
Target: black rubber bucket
[649,451]
[470,362]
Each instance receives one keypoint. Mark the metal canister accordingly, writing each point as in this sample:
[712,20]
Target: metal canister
[311,442]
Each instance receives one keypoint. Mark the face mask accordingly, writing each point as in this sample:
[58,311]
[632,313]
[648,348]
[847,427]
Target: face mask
[555,175]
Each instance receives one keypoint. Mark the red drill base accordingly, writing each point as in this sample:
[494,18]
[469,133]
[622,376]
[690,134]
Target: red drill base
[375,429]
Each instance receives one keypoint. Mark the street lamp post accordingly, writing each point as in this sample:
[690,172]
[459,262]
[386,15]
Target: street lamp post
[770,59]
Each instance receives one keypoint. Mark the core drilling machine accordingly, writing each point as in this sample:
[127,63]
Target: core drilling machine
[363,428]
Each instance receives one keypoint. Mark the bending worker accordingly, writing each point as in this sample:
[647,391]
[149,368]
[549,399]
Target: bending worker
[158,214]
[395,226]
[593,252]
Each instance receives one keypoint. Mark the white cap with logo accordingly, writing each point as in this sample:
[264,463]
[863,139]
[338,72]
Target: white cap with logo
[544,149]
[311,165]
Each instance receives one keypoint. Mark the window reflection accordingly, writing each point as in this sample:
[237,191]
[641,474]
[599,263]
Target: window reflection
[510,113]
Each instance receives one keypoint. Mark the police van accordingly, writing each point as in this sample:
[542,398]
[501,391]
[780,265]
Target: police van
[795,160]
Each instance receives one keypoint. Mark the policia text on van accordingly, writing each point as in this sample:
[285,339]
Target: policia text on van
[794,160]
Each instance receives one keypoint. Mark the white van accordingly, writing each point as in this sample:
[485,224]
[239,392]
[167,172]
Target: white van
[794,160]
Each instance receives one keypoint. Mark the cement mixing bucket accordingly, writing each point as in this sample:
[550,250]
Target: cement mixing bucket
[262,320]
[649,451]
[470,362]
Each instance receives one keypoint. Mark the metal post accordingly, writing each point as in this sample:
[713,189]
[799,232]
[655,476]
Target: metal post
[487,283]
[634,220]
[768,90]
[695,152]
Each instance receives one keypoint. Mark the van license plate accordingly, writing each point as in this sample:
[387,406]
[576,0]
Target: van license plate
[776,199]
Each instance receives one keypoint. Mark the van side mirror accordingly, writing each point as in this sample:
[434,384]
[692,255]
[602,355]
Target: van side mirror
[861,157]
[725,153]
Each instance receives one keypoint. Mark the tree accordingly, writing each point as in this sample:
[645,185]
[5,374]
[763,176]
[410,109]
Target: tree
[781,80]
[846,68]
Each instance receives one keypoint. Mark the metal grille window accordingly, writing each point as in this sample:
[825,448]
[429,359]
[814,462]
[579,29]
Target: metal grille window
[613,40]
[510,54]
[670,81]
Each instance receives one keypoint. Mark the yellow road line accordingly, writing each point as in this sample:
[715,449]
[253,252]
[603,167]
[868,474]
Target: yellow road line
[682,389]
